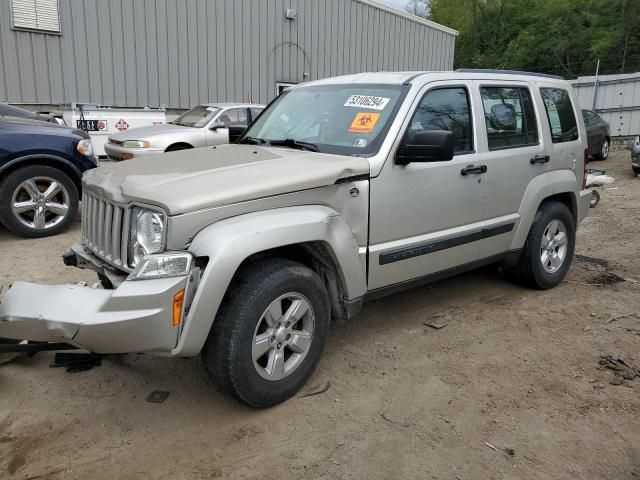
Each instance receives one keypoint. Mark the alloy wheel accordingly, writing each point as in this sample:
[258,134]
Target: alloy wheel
[283,336]
[40,203]
[553,247]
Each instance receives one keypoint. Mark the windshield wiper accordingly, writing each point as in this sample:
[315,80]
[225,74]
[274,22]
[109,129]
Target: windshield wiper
[253,141]
[292,143]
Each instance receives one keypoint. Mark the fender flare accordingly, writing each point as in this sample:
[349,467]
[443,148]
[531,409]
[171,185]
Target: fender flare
[29,160]
[229,242]
[540,188]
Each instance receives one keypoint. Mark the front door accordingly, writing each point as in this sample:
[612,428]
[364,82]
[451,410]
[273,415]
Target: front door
[231,116]
[427,217]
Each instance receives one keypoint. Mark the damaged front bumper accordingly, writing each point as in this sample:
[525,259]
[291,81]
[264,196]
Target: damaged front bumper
[135,317]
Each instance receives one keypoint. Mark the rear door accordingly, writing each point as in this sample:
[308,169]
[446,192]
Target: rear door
[515,155]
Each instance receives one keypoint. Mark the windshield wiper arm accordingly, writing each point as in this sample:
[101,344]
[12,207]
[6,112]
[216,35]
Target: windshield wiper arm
[253,141]
[292,143]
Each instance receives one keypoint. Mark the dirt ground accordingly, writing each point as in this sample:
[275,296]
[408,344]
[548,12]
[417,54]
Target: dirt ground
[510,388]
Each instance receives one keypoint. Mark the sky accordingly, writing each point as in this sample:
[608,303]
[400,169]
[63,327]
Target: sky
[399,4]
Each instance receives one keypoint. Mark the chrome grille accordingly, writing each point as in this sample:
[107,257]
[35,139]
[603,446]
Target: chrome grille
[102,229]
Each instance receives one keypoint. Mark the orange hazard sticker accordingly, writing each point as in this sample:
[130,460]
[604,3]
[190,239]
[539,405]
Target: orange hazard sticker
[364,122]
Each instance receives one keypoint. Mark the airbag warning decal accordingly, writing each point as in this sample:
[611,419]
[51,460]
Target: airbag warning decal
[365,101]
[364,122]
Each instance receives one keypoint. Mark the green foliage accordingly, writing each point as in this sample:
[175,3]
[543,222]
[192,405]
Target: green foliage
[564,37]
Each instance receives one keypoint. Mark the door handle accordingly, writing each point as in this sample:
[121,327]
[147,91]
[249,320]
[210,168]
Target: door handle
[540,159]
[472,169]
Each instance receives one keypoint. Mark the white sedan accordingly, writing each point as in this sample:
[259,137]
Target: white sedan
[203,125]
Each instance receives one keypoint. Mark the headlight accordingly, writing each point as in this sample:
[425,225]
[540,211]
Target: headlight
[85,147]
[135,144]
[147,234]
[162,265]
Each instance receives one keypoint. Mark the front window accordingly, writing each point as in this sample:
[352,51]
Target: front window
[341,119]
[446,109]
[234,116]
[197,117]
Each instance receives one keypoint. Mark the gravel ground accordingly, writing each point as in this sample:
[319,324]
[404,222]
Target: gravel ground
[510,388]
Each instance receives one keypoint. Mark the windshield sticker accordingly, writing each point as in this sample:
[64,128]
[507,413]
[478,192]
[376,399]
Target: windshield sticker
[360,143]
[365,101]
[364,122]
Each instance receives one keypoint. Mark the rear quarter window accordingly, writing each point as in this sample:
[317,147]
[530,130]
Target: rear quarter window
[562,118]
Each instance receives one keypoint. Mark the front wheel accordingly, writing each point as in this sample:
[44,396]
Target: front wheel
[548,251]
[595,199]
[38,201]
[269,334]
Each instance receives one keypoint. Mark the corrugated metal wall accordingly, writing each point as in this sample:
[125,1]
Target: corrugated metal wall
[618,101]
[178,53]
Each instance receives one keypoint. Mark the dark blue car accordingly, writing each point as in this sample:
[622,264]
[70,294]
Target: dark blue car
[41,167]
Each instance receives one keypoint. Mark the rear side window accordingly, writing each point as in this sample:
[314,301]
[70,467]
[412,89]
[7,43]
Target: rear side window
[509,116]
[562,119]
[446,109]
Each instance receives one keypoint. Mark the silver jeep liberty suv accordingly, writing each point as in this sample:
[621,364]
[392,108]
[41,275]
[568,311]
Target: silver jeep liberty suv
[343,190]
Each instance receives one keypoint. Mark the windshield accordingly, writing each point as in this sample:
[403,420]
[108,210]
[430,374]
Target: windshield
[340,119]
[197,117]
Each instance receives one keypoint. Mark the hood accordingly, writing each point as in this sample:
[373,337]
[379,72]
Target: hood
[37,126]
[145,133]
[189,180]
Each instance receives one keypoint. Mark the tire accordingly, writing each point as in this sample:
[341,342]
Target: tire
[233,360]
[529,270]
[28,185]
[595,199]
[603,153]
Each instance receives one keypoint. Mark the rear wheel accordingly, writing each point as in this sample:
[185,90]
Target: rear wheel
[595,199]
[269,333]
[548,251]
[38,201]
[603,154]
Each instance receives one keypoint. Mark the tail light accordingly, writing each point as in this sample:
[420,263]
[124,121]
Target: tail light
[584,173]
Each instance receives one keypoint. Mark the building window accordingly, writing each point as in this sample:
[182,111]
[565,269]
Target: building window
[509,117]
[282,87]
[36,15]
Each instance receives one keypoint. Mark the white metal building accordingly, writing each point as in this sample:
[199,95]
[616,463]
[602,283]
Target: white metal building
[177,53]
[617,100]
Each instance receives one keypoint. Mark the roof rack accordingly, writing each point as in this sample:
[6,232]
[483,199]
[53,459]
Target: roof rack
[508,72]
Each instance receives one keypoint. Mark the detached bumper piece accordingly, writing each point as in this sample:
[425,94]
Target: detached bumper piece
[136,317]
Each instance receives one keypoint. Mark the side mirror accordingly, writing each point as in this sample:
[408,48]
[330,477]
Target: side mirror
[426,146]
[235,132]
[217,125]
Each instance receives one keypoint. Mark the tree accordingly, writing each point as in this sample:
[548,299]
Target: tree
[564,37]
[421,8]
